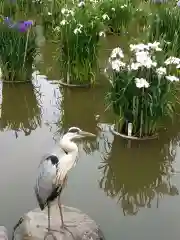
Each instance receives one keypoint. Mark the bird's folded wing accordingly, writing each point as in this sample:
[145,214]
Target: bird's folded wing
[45,182]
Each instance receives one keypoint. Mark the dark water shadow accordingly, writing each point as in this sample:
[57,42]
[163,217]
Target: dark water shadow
[20,108]
[83,108]
[137,174]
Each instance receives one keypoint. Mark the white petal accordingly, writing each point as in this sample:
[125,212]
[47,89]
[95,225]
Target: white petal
[172,78]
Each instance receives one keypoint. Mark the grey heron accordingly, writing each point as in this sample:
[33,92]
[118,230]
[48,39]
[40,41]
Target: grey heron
[52,171]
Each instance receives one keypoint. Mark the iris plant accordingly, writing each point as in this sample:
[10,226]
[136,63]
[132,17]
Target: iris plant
[22,26]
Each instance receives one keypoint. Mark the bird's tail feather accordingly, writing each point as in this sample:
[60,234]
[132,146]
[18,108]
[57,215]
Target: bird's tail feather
[42,205]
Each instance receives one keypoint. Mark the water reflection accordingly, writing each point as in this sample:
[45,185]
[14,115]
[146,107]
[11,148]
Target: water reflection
[20,109]
[139,175]
[89,146]
[82,108]
[78,112]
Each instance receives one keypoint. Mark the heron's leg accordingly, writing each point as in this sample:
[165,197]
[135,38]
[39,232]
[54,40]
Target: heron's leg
[50,231]
[60,210]
[49,216]
[63,225]
[65,181]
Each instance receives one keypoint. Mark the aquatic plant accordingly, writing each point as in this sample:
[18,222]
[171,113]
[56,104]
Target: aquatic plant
[79,33]
[143,88]
[141,16]
[17,49]
[11,7]
[165,24]
[116,14]
[8,7]
[26,7]
[51,15]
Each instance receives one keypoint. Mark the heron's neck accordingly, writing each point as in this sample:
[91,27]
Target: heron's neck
[69,147]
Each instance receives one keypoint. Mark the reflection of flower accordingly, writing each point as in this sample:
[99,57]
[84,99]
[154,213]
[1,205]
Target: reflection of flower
[136,177]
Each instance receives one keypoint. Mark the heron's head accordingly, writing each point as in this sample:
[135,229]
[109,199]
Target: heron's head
[74,133]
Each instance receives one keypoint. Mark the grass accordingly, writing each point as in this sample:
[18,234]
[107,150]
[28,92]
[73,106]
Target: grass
[8,8]
[79,44]
[50,15]
[165,24]
[117,14]
[17,52]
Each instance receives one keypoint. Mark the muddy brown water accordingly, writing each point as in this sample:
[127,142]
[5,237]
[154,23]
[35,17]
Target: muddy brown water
[129,188]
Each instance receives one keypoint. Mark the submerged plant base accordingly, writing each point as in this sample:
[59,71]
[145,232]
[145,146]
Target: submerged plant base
[23,77]
[113,130]
[74,85]
[12,82]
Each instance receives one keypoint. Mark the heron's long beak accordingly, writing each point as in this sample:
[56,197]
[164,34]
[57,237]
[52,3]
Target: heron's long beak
[86,134]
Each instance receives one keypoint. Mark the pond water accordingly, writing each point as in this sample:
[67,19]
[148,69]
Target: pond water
[129,188]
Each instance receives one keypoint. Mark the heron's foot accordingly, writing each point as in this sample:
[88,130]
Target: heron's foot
[52,230]
[50,233]
[65,227]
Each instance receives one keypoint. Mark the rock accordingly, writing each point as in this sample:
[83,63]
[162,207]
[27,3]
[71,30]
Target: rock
[3,233]
[33,225]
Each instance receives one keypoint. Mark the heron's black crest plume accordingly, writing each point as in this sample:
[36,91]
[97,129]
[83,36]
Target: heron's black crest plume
[74,130]
[54,159]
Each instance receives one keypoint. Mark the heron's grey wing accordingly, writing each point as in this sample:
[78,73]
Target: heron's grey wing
[45,182]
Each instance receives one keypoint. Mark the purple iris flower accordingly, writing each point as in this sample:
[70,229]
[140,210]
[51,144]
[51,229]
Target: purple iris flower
[22,26]
[9,22]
